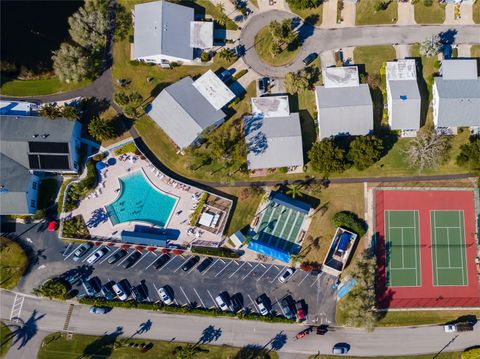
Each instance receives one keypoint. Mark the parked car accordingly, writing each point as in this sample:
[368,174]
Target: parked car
[190,263]
[340,348]
[284,277]
[460,327]
[263,85]
[205,264]
[165,296]
[89,287]
[117,256]
[237,302]
[137,294]
[286,305]
[99,253]
[107,290]
[164,258]
[300,311]
[223,301]
[81,251]
[98,310]
[308,60]
[262,305]
[120,291]
[130,261]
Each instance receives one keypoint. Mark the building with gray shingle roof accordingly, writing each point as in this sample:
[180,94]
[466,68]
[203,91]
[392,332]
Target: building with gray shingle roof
[344,106]
[187,108]
[30,145]
[167,32]
[456,96]
[273,134]
[403,96]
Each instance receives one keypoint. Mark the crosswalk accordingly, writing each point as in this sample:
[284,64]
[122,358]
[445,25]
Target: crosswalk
[17,308]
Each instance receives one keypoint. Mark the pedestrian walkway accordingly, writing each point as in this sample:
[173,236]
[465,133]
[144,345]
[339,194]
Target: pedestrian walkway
[402,51]
[406,14]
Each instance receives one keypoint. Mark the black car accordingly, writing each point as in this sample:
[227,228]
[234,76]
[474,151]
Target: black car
[91,286]
[205,264]
[137,294]
[237,302]
[164,258]
[117,256]
[107,290]
[307,60]
[130,261]
[190,263]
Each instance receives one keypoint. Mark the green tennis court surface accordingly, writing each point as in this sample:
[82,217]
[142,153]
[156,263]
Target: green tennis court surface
[448,248]
[402,246]
[279,226]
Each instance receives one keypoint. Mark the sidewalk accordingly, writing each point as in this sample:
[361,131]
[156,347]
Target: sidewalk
[264,5]
[402,51]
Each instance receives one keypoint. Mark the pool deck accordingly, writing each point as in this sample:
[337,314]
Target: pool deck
[94,213]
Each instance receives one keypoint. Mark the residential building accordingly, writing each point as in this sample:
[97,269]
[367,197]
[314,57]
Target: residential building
[30,146]
[17,108]
[165,32]
[403,97]
[273,134]
[187,108]
[344,106]
[456,96]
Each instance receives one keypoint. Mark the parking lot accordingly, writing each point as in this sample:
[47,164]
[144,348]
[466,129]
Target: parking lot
[246,280]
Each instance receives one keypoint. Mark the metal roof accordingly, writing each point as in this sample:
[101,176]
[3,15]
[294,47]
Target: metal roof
[271,106]
[144,238]
[344,110]
[459,69]
[290,202]
[15,179]
[406,104]
[201,34]
[345,76]
[162,28]
[213,90]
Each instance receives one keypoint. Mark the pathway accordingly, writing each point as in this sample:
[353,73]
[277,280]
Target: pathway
[406,15]
[329,18]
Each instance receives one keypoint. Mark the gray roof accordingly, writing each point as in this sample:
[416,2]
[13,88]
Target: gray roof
[458,102]
[162,28]
[273,141]
[344,110]
[459,69]
[15,179]
[406,104]
[183,113]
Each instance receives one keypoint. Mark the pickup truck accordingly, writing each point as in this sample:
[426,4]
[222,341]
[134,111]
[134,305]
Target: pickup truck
[461,327]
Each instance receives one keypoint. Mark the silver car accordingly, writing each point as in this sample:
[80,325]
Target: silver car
[99,253]
[165,296]
[120,292]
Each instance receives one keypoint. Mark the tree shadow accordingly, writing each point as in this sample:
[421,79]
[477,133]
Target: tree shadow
[309,132]
[252,351]
[103,346]
[448,37]
[278,341]
[23,332]
[209,334]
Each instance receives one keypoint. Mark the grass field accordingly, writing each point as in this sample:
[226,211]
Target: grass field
[434,14]
[455,355]
[20,88]
[476,12]
[263,43]
[4,345]
[55,346]
[475,49]
[13,263]
[366,15]
[373,57]
[312,15]
[407,318]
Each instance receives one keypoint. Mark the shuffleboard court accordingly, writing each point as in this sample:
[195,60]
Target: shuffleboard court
[448,248]
[402,248]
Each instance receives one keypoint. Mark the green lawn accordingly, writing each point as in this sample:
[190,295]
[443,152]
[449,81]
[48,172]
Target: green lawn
[423,317]
[455,355]
[476,12]
[366,15]
[12,87]
[47,193]
[430,68]
[4,345]
[434,14]
[13,261]
[56,346]
[312,15]
[263,43]
[373,57]
[475,50]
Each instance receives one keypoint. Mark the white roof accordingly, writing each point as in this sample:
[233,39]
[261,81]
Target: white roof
[346,76]
[16,107]
[214,90]
[206,219]
[462,69]
[271,106]
[401,70]
[201,34]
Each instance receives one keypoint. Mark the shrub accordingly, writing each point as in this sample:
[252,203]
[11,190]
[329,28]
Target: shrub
[53,288]
[350,221]
[239,74]
[469,156]
[75,228]
[310,266]
[205,56]
[198,210]
[427,3]
[127,148]
[218,252]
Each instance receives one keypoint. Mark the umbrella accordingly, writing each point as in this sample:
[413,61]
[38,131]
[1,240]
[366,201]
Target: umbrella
[100,166]
[111,161]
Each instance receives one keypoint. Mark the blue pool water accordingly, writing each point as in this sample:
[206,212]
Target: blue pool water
[140,201]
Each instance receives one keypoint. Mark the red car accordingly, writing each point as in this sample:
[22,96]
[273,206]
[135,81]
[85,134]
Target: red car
[52,226]
[299,311]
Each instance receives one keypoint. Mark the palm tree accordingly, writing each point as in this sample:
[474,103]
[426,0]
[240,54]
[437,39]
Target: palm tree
[50,111]
[294,191]
[101,130]
[70,113]
[226,54]
[222,17]
[186,352]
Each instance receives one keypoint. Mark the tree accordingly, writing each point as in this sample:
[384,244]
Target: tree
[89,25]
[187,351]
[222,18]
[300,81]
[70,63]
[121,98]
[431,46]
[427,150]
[326,157]
[101,130]
[350,221]
[469,155]
[70,113]
[303,4]
[364,151]
[123,22]
[53,288]
[227,55]
[50,111]
[294,191]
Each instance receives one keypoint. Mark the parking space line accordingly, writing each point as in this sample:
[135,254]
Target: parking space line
[278,275]
[295,272]
[237,270]
[250,264]
[134,264]
[250,271]
[203,304]
[118,265]
[151,263]
[66,249]
[306,275]
[175,300]
[221,260]
[166,264]
[275,266]
[230,262]
[181,265]
[156,291]
[264,273]
[254,304]
[110,255]
[211,296]
[263,265]
[210,266]
[316,279]
[185,294]
[236,262]
[277,302]
[72,252]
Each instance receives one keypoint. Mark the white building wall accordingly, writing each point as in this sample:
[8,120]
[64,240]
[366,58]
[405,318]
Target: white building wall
[435,104]
[32,194]
[389,105]
[74,146]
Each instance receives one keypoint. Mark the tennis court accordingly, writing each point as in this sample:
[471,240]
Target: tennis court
[402,248]
[448,248]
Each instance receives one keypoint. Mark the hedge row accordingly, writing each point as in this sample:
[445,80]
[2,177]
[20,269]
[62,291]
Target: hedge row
[218,252]
[102,302]
[198,210]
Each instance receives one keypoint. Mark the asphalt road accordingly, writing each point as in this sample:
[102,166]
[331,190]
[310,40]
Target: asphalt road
[319,40]
[52,317]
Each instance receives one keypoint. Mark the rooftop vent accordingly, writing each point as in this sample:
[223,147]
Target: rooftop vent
[35,135]
[403,97]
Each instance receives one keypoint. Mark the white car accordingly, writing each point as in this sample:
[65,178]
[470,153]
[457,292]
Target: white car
[262,306]
[284,277]
[222,302]
[99,253]
[120,292]
[165,296]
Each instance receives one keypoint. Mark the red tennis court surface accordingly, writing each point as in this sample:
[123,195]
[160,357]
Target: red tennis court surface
[426,294]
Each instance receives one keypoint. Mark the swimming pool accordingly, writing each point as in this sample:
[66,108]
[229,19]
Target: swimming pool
[140,201]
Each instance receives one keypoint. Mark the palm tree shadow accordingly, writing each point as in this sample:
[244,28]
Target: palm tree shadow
[103,346]
[23,332]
